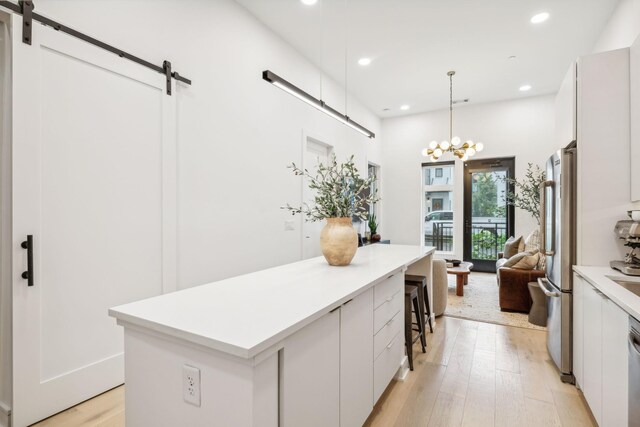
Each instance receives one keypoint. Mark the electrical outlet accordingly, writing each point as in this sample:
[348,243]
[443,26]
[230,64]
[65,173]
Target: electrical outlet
[191,384]
[289,225]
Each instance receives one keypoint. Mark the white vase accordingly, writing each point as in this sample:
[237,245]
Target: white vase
[339,241]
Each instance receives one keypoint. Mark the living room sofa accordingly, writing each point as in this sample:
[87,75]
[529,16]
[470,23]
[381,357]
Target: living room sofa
[513,284]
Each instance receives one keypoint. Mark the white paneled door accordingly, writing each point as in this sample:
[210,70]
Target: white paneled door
[315,152]
[94,183]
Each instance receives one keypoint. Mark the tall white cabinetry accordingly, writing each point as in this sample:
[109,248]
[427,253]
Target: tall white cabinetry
[592,106]
[603,181]
[600,353]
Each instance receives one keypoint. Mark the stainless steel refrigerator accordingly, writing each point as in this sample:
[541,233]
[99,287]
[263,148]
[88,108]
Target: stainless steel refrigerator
[558,245]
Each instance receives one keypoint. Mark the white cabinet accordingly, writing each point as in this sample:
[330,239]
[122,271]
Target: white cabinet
[634,65]
[356,360]
[602,115]
[565,109]
[615,365]
[309,356]
[388,339]
[600,331]
[592,387]
[579,285]
[310,375]
[331,371]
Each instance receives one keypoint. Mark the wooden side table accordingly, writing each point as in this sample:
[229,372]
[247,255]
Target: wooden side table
[462,276]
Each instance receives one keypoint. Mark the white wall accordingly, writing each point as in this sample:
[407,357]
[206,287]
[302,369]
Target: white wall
[622,28]
[236,133]
[522,128]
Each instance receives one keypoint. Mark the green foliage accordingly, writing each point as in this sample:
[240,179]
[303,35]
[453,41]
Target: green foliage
[485,245]
[339,191]
[485,200]
[527,191]
[373,224]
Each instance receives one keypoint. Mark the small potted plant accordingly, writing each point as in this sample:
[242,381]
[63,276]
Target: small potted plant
[340,195]
[373,228]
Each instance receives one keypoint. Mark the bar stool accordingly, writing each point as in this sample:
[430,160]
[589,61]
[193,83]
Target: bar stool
[423,294]
[411,298]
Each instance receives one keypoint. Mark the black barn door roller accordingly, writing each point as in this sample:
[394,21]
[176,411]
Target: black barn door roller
[25,8]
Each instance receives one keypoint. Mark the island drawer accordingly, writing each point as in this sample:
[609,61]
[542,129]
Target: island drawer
[387,310]
[384,290]
[386,365]
[385,335]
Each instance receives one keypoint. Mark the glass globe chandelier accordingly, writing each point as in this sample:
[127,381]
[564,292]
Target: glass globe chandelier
[454,145]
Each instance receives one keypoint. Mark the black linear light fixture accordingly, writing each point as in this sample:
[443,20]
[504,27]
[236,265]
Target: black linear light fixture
[314,102]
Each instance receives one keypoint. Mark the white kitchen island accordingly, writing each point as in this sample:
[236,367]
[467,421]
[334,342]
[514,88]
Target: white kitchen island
[303,344]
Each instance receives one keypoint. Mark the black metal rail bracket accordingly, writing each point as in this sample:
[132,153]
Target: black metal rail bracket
[25,8]
[167,72]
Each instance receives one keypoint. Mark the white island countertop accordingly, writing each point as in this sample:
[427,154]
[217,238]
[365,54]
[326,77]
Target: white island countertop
[599,278]
[245,315]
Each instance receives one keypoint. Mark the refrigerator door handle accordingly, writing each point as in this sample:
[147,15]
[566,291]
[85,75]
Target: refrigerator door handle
[543,218]
[634,347]
[547,292]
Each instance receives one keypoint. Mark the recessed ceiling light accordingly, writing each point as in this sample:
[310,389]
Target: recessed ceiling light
[512,57]
[309,2]
[405,107]
[364,61]
[525,88]
[540,17]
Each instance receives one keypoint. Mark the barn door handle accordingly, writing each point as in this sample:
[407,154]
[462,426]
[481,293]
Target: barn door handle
[28,245]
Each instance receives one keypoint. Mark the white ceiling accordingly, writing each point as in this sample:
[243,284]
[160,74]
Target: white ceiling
[413,43]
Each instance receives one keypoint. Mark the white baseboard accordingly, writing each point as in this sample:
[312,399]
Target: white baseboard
[403,370]
[5,415]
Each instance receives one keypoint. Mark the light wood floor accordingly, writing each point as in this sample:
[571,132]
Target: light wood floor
[473,374]
[106,410]
[480,374]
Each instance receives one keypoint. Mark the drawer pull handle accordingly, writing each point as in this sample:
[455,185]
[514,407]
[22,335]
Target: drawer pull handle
[391,344]
[390,321]
[389,299]
[390,276]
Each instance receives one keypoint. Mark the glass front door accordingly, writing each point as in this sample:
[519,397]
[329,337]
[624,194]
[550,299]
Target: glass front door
[488,219]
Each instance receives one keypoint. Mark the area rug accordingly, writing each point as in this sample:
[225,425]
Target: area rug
[480,302]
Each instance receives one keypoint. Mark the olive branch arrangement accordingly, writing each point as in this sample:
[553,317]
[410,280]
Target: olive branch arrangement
[527,191]
[339,191]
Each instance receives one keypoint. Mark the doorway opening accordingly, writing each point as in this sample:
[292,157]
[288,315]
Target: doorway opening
[314,152]
[488,219]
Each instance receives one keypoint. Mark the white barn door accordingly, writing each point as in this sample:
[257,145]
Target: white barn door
[94,183]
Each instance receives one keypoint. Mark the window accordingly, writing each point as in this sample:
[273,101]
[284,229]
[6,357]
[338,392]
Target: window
[438,206]
[374,170]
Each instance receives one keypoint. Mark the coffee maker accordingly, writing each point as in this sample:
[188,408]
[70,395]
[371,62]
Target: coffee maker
[629,231]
